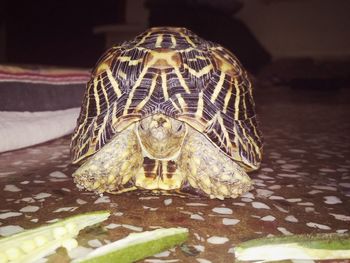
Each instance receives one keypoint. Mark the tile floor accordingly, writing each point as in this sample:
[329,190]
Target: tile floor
[303,186]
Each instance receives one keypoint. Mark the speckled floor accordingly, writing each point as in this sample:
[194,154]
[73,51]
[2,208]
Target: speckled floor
[303,186]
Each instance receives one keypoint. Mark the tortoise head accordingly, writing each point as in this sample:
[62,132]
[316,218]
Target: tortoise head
[160,136]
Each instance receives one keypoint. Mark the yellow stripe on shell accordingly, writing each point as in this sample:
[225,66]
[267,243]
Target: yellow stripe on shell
[182,102]
[227,97]
[219,138]
[124,59]
[122,74]
[237,99]
[131,62]
[224,130]
[238,139]
[83,135]
[164,85]
[196,58]
[135,62]
[166,55]
[224,64]
[189,41]
[131,95]
[168,58]
[103,88]
[89,152]
[175,106]
[114,83]
[173,41]
[203,71]
[89,142]
[145,100]
[105,64]
[244,105]
[217,117]
[84,112]
[218,87]
[159,41]
[200,106]
[114,114]
[143,39]
[102,129]
[252,141]
[255,131]
[181,80]
[96,96]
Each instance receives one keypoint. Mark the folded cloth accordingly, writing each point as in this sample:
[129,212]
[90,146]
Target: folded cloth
[38,88]
[23,129]
[38,104]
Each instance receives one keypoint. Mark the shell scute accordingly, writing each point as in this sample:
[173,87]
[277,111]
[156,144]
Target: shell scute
[174,72]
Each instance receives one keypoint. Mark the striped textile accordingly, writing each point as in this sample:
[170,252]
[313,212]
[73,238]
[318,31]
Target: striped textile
[41,88]
[55,76]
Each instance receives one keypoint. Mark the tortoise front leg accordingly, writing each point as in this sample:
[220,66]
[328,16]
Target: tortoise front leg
[210,170]
[111,168]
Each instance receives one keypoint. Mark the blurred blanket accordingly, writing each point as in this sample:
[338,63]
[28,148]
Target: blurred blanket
[23,129]
[37,88]
[38,104]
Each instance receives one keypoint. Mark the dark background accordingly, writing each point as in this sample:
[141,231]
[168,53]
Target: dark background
[57,32]
[63,33]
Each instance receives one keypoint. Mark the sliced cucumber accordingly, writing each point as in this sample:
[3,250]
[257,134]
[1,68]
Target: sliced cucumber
[297,247]
[31,245]
[137,246]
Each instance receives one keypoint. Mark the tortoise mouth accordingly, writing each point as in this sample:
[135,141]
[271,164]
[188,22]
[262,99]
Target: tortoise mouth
[161,150]
[161,137]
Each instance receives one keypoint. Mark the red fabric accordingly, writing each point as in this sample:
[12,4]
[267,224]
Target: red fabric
[43,75]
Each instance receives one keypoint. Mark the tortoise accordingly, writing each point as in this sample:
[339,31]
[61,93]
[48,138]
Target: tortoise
[168,112]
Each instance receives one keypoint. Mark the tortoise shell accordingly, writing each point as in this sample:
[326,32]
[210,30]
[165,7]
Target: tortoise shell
[174,72]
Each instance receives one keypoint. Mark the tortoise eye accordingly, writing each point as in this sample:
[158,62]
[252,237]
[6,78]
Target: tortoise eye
[180,128]
[141,126]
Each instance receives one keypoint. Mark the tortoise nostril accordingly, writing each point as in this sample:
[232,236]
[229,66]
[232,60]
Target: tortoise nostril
[161,121]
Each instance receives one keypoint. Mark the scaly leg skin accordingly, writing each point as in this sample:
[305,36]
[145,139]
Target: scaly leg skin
[210,170]
[113,166]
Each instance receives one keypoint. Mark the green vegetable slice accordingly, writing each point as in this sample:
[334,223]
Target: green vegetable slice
[31,245]
[297,247]
[137,246]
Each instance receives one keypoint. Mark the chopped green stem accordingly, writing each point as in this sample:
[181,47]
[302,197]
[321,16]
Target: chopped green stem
[314,247]
[31,245]
[137,246]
